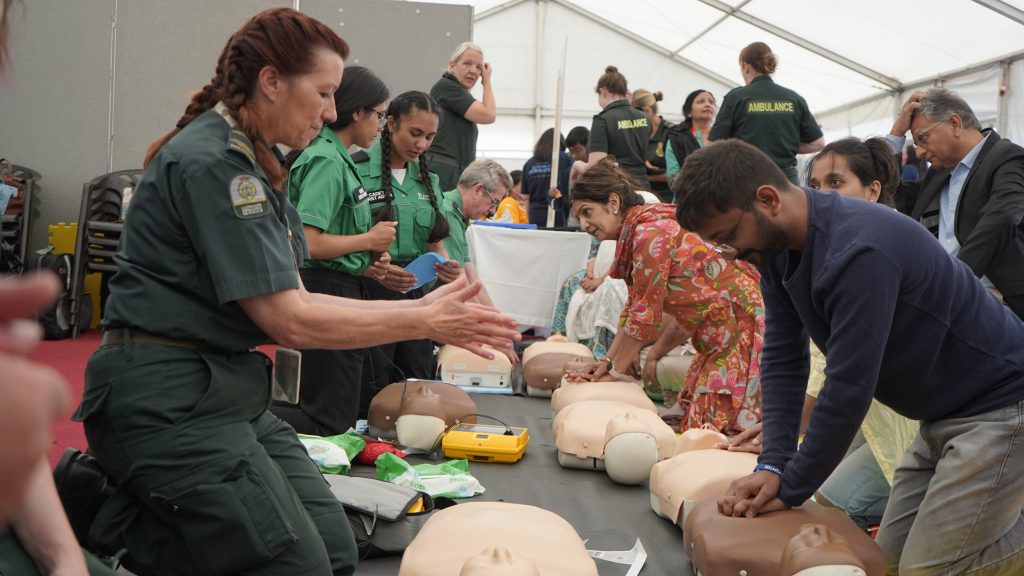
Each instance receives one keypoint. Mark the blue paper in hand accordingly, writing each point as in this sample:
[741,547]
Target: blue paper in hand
[423,268]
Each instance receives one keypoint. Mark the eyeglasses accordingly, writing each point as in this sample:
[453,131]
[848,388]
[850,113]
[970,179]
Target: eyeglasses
[494,201]
[723,248]
[382,118]
[922,137]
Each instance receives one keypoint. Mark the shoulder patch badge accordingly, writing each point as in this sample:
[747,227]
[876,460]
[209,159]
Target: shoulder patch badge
[361,194]
[248,198]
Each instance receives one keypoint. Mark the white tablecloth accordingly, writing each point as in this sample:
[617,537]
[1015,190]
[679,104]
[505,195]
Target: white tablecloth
[523,270]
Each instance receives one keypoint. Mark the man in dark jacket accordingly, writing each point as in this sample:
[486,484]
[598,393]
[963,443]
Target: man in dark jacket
[972,197]
[900,322]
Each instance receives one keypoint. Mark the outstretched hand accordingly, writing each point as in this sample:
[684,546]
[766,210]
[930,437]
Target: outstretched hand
[452,319]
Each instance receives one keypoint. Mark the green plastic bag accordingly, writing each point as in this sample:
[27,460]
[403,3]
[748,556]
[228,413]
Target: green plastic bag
[450,479]
[333,454]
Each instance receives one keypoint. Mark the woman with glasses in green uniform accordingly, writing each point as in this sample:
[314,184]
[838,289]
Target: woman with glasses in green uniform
[402,188]
[334,206]
[175,402]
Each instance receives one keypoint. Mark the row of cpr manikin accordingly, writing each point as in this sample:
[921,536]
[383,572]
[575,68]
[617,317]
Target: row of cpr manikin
[615,427]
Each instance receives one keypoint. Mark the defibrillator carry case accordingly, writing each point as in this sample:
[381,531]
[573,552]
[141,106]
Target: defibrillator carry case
[384,517]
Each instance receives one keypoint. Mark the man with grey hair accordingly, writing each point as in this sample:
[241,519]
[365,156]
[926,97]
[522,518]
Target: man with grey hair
[481,187]
[972,197]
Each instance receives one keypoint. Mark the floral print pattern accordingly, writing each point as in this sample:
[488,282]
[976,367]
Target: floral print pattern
[672,271]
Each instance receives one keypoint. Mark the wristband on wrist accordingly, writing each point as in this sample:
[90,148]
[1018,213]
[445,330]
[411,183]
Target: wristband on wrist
[768,468]
[615,373]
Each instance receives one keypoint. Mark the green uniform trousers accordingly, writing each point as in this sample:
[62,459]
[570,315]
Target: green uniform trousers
[209,482]
[14,561]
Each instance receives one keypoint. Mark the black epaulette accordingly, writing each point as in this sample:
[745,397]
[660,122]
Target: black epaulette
[360,156]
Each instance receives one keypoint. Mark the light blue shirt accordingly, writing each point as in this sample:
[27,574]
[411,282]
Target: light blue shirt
[949,196]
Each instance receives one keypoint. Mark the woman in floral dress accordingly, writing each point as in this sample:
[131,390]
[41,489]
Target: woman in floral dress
[680,288]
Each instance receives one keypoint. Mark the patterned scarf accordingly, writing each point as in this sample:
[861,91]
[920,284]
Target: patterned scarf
[635,216]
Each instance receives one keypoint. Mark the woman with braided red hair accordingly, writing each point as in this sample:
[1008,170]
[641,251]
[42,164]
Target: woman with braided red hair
[175,404]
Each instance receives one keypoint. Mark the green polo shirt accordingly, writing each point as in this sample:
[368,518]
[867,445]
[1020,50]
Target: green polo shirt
[622,131]
[328,194]
[456,136]
[456,243]
[769,116]
[413,210]
[206,230]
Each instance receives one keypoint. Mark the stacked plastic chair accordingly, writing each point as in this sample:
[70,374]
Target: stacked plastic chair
[100,222]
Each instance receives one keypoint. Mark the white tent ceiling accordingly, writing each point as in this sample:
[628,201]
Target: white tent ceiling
[850,59]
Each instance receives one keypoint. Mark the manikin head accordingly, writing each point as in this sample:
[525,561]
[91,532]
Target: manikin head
[498,561]
[630,449]
[421,419]
[819,551]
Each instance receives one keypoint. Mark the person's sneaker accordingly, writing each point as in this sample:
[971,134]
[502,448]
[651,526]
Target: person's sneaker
[83,487]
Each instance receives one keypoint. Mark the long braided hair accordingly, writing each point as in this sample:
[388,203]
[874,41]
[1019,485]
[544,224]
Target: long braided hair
[283,38]
[402,107]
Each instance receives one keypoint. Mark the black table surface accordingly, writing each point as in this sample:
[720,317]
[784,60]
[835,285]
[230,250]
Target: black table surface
[609,516]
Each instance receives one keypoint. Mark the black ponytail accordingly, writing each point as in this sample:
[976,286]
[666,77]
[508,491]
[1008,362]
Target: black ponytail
[868,160]
[886,167]
[387,211]
[441,229]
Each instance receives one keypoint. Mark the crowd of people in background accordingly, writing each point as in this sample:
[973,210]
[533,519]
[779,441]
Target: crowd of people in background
[816,310]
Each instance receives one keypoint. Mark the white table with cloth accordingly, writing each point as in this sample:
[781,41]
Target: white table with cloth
[523,270]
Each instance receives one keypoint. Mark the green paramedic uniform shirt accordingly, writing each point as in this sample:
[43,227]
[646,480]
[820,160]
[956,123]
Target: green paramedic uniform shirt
[328,194]
[456,243]
[622,131]
[205,229]
[456,136]
[769,116]
[413,210]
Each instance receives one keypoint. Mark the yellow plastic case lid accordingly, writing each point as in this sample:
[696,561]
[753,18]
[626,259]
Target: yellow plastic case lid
[486,443]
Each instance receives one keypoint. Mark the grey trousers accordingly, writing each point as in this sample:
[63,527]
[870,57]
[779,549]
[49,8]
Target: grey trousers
[957,497]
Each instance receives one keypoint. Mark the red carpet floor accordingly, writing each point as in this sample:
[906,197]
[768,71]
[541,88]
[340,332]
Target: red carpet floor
[69,357]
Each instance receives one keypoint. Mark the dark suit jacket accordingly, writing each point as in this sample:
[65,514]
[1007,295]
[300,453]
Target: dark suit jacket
[988,217]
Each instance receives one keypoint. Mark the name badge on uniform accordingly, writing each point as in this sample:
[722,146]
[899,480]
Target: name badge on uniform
[423,196]
[248,198]
[361,194]
[377,196]
[287,368]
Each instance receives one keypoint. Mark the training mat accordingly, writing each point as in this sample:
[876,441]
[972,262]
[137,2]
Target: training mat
[611,516]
